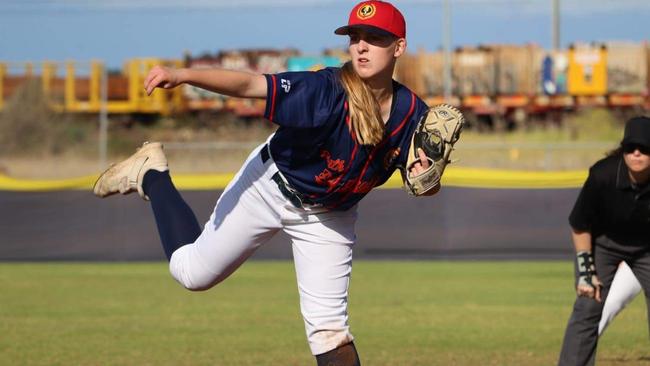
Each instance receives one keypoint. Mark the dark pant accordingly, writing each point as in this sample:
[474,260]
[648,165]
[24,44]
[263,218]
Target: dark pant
[581,336]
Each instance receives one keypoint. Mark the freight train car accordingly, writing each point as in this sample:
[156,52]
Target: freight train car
[496,85]
[78,87]
[505,85]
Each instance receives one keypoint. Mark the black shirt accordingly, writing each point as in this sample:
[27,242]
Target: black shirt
[612,209]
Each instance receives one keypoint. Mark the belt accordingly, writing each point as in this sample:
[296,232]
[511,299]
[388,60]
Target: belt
[296,198]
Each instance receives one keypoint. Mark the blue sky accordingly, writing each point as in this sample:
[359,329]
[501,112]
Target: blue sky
[116,30]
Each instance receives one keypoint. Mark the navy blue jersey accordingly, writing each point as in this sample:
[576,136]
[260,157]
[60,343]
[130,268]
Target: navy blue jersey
[315,148]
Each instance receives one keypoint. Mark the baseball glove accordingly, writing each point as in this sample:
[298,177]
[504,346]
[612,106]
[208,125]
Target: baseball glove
[436,133]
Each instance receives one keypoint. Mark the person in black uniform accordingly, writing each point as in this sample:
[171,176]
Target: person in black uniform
[610,223]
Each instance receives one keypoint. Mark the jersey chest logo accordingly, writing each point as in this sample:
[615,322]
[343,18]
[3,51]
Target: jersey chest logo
[360,186]
[334,168]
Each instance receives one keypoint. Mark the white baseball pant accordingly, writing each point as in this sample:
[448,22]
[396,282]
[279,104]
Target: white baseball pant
[248,213]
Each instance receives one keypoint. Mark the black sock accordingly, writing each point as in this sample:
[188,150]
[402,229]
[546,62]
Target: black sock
[176,222]
[345,355]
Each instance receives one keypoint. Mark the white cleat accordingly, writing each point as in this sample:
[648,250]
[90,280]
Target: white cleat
[126,177]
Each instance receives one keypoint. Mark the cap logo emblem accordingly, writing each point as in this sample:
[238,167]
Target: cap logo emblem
[366,11]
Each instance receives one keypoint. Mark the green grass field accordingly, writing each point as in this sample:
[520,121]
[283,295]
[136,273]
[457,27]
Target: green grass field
[401,313]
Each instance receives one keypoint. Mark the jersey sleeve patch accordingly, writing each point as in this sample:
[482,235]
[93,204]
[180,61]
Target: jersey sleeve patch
[300,99]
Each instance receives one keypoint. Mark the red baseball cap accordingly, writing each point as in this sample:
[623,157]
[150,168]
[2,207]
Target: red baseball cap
[376,14]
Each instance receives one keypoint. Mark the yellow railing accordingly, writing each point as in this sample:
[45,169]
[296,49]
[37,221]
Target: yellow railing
[454,177]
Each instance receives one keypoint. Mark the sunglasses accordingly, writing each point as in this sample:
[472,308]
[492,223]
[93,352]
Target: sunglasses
[630,148]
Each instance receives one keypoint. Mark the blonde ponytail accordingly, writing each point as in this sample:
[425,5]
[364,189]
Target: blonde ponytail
[365,114]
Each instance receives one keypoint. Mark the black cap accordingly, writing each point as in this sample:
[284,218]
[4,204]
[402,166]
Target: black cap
[637,131]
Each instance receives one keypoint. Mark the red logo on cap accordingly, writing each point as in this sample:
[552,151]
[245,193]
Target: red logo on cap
[366,11]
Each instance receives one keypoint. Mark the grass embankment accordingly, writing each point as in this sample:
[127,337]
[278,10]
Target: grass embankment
[577,143]
[38,143]
[402,313]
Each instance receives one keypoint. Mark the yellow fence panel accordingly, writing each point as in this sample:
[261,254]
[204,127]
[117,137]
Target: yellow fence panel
[454,177]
